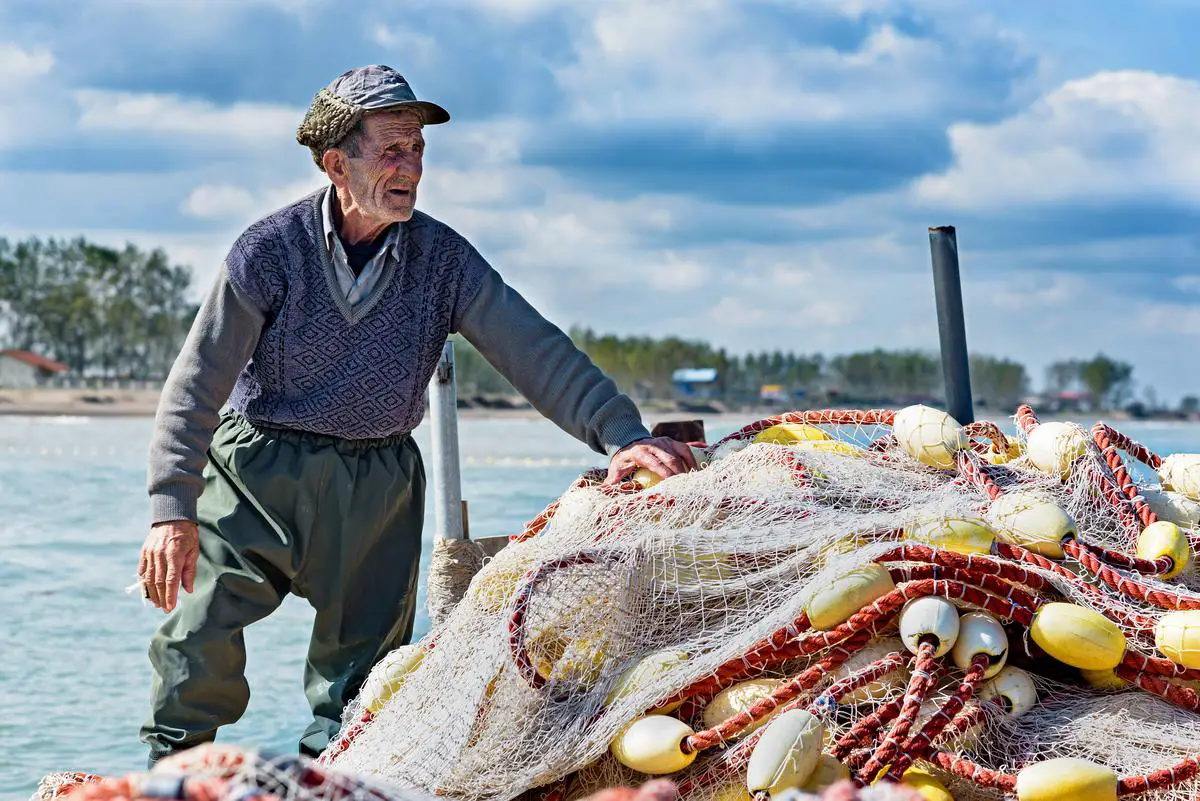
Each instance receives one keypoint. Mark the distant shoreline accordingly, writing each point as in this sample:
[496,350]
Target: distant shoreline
[144,402]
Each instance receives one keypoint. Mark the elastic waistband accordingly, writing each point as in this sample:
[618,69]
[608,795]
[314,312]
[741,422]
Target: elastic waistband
[298,435]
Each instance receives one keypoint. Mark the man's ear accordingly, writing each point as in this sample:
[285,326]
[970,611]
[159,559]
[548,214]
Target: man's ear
[334,163]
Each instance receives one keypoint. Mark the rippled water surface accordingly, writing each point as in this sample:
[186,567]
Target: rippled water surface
[73,511]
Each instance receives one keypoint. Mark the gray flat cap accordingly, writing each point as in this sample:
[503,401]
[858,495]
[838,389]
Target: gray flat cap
[377,87]
[338,107]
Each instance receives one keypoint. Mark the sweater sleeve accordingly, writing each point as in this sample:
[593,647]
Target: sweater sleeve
[543,364]
[220,343]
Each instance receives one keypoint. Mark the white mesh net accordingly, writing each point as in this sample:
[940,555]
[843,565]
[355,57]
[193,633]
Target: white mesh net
[591,653]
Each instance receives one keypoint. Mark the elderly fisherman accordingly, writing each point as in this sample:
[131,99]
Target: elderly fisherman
[282,459]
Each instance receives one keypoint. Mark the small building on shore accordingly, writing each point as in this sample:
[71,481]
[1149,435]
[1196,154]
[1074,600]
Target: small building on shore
[22,369]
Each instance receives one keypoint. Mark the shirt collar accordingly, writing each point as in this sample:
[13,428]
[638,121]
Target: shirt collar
[334,243]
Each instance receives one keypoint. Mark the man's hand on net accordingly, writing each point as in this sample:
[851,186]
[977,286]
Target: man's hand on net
[169,559]
[662,456]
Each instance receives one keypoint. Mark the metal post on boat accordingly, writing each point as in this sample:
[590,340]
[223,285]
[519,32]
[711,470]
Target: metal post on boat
[443,420]
[952,330]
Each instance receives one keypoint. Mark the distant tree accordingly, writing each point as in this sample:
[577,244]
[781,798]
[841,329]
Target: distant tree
[1189,404]
[1109,382]
[1001,382]
[1063,376]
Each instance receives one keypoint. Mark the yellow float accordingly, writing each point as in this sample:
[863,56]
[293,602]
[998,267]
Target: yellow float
[1179,509]
[1180,472]
[1077,636]
[786,753]
[653,745]
[386,677]
[736,700]
[1031,521]
[1177,636]
[847,594]
[647,672]
[790,434]
[929,435]
[1054,447]
[1066,779]
[959,534]
[1164,538]
[828,771]
[928,786]
[1103,679]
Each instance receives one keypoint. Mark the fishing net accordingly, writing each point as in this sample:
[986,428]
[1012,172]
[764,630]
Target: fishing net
[868,596]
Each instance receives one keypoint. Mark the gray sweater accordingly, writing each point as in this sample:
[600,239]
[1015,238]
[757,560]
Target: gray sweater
[277,341]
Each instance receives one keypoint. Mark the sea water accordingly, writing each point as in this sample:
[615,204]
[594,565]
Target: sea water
[74,675]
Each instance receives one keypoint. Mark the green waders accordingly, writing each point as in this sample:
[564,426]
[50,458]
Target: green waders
[337,522]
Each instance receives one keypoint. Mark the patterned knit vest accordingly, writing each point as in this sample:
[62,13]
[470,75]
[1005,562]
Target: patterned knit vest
[324,367]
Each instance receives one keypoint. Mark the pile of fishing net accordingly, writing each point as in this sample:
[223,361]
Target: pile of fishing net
[833,600]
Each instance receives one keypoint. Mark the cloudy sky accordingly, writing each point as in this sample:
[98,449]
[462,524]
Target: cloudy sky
[759,174]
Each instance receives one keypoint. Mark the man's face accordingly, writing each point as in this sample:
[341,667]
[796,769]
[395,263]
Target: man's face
[383,177]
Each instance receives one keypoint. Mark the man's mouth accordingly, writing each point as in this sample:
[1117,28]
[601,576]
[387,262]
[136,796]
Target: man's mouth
[401,192]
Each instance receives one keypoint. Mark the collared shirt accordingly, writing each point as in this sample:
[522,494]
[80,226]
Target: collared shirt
[355,288]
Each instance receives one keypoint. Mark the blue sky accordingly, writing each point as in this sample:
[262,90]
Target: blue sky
[758,174]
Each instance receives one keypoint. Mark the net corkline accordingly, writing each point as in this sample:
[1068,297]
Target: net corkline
[835,603]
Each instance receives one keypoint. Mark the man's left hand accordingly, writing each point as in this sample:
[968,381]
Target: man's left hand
[662,456]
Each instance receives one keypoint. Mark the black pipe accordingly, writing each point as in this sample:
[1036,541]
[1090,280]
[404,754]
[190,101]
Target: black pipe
[952,329]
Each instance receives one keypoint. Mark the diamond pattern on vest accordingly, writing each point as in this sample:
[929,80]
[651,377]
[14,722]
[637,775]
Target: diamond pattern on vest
[313,368]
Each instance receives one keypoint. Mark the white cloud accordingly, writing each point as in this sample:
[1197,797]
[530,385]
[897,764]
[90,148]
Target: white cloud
[668,62]
[263,123]
[417,50]
[217,202]
[1123,135]
[18,65]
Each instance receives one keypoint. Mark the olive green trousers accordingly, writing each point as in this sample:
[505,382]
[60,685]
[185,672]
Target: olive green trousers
[337,522]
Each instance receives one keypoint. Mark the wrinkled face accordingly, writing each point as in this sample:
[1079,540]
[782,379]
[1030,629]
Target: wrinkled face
[383,174]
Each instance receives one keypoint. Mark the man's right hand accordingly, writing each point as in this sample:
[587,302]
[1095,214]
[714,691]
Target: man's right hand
[168,558]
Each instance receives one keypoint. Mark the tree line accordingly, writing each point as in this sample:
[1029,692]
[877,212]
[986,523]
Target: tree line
[123,313]
[98,310]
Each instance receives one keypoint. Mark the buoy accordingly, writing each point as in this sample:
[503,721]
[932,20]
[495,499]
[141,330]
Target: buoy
[926,618]
[1014,452]
[1181,472]
[1066,779]
[959,534]
[928,786]
[653,745]
[1103,679]
[1078,636]
[1177,636]
[1179,509]
[980,633]
[830,446]
[1013,685]
[737,699]
[1164,538]
[885,686]
[786,753]
[1054,447]
[646,673]
[387,676]
[646,477]
[929,435]
[828,771]
[847,594]
[790,434]
[494,586]
[558,659]
[1031,521]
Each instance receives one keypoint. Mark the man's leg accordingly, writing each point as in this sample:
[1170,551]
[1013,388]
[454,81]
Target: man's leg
[361,577]
[242,575]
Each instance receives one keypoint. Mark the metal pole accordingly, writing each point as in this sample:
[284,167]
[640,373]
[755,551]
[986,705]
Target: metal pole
[952,329]
[443,419]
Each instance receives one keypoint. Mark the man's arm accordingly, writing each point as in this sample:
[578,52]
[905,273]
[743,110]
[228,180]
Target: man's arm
[222,339]
[545,366]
